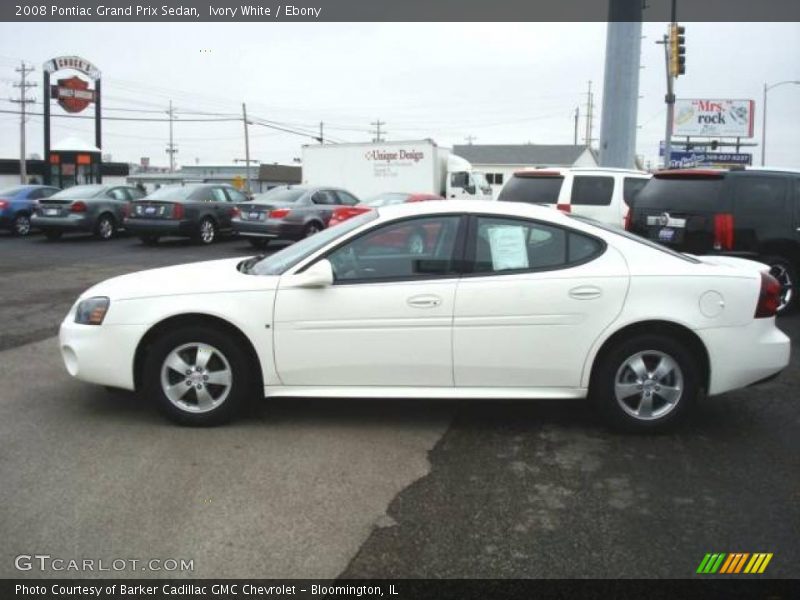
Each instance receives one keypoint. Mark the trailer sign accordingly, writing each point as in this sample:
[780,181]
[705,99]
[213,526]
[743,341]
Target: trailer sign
[714,118]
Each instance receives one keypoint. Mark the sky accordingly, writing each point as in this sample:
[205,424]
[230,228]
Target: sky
[502,83]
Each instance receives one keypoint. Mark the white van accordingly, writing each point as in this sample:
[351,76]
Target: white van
[599,193]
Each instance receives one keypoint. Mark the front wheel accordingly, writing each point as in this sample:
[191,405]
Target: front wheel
[198,376]
[22,225]
[784,271]
[206,232]
[311,229]
[646,383]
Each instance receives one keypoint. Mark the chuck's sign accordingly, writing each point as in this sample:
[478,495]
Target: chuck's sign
[714,118]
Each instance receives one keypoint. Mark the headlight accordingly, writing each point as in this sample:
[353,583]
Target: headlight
[92,311]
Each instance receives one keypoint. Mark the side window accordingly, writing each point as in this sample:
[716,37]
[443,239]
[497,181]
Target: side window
[590,190]
[346,199]
[631,187]
[203,195]
[119,194]
[417,249]
[498,179]
[136,193]
[514,245]
[218,195]
[235,195]
[37,193]
[760,195]
[47,192]
[323,197]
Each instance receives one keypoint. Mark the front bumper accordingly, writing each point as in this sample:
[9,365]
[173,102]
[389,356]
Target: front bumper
[742,356]
[101,354]
[72,222]
[160,227]
[270,229]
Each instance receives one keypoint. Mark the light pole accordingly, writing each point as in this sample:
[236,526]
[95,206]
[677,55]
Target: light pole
[764,115]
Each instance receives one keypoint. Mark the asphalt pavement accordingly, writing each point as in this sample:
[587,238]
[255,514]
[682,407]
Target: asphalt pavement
[370,488]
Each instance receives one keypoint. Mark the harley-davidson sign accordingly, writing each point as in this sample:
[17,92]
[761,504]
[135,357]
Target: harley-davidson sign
[73,94]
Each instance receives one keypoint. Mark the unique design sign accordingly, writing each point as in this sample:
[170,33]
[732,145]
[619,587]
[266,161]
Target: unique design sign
[73,94]
[714,118]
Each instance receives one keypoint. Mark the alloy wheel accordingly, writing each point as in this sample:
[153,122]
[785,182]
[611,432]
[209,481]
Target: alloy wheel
[311,229]
[784,277]
[649,385]
[22,225]
[196,377]
[105,228]
[207,231]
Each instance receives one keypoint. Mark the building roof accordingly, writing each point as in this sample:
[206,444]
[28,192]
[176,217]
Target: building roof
[282,173]
[74,144]
[520,154]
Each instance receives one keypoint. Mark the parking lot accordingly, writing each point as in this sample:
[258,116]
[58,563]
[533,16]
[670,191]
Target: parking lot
[368,488]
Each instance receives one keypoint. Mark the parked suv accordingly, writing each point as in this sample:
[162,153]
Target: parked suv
[601,194]
[753,213]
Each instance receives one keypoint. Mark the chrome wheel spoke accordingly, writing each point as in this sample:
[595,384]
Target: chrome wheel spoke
[204,354]
[645,408]
[177,391]
[204,399]
[626,390]
[636,364]
[219,378]
[651,394]
[179,375]
[669,394]
[664,368]
[177,364]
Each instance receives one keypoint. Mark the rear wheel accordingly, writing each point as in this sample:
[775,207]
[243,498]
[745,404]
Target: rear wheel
[260,243]
[22,225]
[646,383]
[149,239]
[105,227]
[52,234]
[311,228]
[784,271]
[197,375]
[206,232]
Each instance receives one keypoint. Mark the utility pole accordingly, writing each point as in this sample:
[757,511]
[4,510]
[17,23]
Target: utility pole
[470,139]
[246,148]
[171,148]
[23,101]
[674,50]
[589,115]
[377,131]
[577,118]
[670,101]
[321,136]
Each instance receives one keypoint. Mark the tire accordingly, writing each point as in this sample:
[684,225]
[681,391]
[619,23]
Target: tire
[206,232]
[259,243]
[311,228]
[53,234]
[21,225]
[211,403]
[149,239]
[105,227]
[639,411]
[785,272]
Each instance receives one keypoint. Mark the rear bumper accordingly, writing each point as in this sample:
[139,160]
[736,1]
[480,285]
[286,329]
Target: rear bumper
[73,222]
[160,227]
[743,356]
[269,229]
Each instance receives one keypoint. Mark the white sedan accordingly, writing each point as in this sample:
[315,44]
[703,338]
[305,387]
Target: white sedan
[437,300]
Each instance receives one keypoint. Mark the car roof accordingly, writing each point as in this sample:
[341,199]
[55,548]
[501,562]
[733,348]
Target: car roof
[491,207]
[582,170]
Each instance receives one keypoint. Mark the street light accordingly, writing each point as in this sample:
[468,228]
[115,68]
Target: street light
[764,116]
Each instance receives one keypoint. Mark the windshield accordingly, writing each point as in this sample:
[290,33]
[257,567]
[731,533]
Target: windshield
[172,192]
[386,199]
[633,237]
[79,191]
[282,195]
[280,262]
[12,191]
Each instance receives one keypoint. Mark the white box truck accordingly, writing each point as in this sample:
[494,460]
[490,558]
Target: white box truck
[368,169]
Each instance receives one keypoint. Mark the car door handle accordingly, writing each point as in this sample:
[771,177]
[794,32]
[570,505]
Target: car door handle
[585,292]
[425,301]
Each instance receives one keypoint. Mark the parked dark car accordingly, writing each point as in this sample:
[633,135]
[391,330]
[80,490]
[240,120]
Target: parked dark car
[290,212]
[752,213]
[17,204]
[199,211]
[97,209]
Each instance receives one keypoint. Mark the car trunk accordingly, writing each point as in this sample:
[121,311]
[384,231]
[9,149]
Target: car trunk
[49,207]
[150,209]
[257,211]
[686,211]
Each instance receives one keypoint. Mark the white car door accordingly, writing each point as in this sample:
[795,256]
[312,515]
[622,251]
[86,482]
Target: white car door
[387,318]
[537,298]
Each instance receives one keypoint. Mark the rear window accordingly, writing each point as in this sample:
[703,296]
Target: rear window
[80,191]
[760,195]
[171,192]
[631,188]
[590,190]
[679,193]
[533,190]
[279,195]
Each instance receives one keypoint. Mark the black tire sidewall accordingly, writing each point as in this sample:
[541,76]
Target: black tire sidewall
[14,228]
[792,271]
[100,219]
[241,388]
[602,386]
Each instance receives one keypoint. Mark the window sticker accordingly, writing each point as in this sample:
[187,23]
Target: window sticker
[509,248]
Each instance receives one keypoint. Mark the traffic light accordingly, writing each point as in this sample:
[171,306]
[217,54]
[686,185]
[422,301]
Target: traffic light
[677,50]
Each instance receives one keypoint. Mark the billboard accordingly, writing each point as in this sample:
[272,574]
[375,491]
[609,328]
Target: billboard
[692,158]
[713,118]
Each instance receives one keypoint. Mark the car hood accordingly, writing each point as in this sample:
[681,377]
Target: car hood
[208,277]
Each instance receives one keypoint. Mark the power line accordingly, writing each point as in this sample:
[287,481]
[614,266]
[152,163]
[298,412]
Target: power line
[377,131]
[214,120]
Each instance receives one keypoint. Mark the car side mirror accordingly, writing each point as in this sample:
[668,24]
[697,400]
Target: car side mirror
[318,275]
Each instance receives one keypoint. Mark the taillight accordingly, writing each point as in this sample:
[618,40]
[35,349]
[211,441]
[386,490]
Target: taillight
[769,299]
[627,222]
[177,211]
[564,208]
[78,207]
[279,213]
[126,210]
[3,204]
[723,231]
[235,212]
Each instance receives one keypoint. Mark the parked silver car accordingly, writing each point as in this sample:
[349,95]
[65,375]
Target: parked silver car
[97,209]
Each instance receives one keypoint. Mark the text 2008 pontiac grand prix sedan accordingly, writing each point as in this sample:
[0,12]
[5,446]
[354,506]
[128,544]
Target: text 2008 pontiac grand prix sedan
[502,300]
